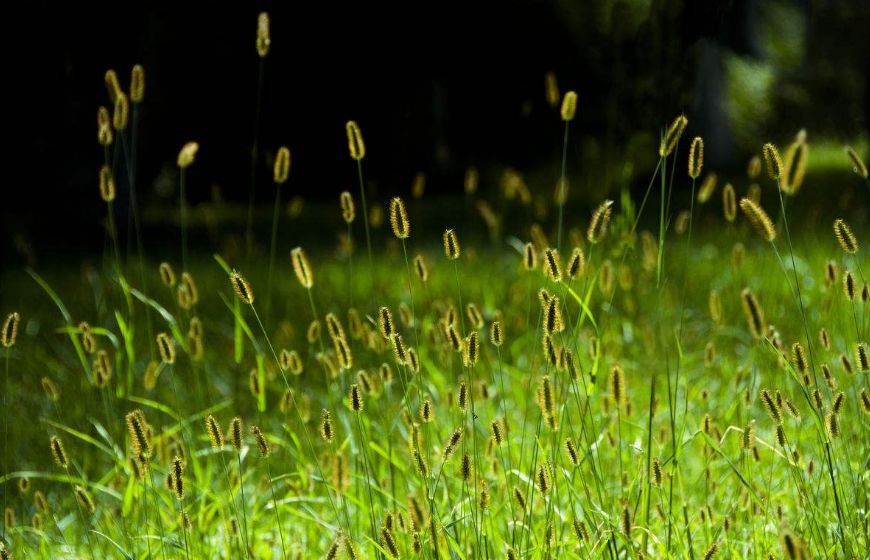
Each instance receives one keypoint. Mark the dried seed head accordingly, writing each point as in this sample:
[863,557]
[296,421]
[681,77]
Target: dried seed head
[9,332]
[569,106]
[137,84]
[399,218]
[236,432]
[672,136]
[242,288]
[58,452]
[696,157]
[847,240]
[187,154]
[758,218]
[166,347]
[264,38]
[215,432]
[451,245]
[281,167]
[772,161]
[302,268]
[355,141]
[858,165]
[600,220]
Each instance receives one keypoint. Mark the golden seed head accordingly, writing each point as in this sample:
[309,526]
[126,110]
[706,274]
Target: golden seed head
[138,429]
[576,264]
[858,165]
[137,84]
[542,479]
[58,452]
[113,86]
[264,38]
[262,443]
[771,407]
[696,157]
[399,218]
[599,222]
[281,167]
[348,209]
[847,240]
[758,218]
[242,288]
[672,136]
[355,141]
[471,350]
[215,432]
[753,167]
[107,184]
[656,473]
[772,161]
[121,113]
[166,347]
[187,154]
[385,322]
[569,106]
[302,268]
[9,332]
[451,244]
[862,360]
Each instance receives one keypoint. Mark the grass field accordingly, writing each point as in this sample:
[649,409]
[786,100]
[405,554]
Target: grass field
[607,383]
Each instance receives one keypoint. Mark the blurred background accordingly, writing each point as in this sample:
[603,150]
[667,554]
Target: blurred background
[436,89]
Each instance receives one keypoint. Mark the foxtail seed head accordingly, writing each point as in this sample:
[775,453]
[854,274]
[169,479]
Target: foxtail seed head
[451,245]
[399,218]
[187,154]
[260,439]
[530,256]
[600,220]
[121,113]
[551,89]
[264,38]
[421,268]
[137,84]
[569,106]
[696,157]
[107,184]
[166,347]
[847,240]
[729,202]
[215,432]
[758,218]
[552,267]
[355,141]
[348,209]
[236,432]
[672,136]
[242,288]
[167,275]
[58,452]
[772,161]
[281,167]
[302,268]
[9,332]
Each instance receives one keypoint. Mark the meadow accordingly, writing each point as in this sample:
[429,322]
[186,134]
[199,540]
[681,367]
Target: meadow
[678,375]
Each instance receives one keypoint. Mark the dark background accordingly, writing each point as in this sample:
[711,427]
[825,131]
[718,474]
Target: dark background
[435,87]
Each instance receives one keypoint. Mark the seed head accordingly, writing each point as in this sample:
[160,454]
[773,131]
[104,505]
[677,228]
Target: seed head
[772,161]
[600,220]
[215,432]
[166,347]
[758,218]
[137,84]
[58,452]
[264,38]
[729,203]
[302,268]
[355,141]
[121,113]
[421,268]
[672,136]
[451,245]
[9,332]
[348,209]
[696,157]
[569,106]
[399,218]
[858,165]
[281,168]
[242,288]
[847,240]
[187,154]
[262,443]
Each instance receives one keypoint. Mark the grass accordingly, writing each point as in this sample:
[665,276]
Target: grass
[606,410]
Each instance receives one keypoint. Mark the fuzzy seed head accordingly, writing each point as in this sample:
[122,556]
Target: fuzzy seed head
[847,240]
[399,218]
[242,288]
[672,136]
[348,209]
[772,161]
[166,347]
[600,220]
[236,433]
[264,38]
[758,218]
[281,167]
[9,331]
[58,452]
[569,106]
[355,143]
[187,154]
[302,268]
[451,245]
[696,157]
